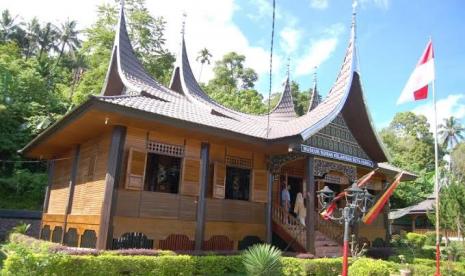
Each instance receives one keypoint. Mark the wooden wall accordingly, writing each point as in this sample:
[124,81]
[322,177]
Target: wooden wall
[60,184]
[137,139]
[90,181]
[89,189]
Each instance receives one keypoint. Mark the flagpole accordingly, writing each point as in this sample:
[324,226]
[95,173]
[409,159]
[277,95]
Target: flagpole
[436,182]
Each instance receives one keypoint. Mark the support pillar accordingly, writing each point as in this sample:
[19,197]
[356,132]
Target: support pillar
[386,210]
[72,184]
[414,219]
[115,159]
[310,218]
[269,206]
[50,171]
[200,225]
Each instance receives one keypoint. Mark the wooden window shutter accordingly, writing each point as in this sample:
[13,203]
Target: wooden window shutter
[135,175]
[219,180]
[259,186]
[190,177]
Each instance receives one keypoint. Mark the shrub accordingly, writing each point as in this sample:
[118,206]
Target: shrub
[21,228]
[323,267]
[262,259]
[380,252]
[218,265]
[416,240]
[431,238]
[378,242]
[369,267]
[397,240]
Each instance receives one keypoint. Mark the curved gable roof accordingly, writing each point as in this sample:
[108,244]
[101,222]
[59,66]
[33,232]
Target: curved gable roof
[128,85]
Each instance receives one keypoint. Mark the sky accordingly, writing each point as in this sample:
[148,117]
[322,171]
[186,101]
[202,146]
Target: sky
[391,35]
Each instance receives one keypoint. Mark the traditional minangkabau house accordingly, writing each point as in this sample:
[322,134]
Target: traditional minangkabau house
[144,165]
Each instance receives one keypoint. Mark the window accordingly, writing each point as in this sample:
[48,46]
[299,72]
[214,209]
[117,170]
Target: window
[237,183]
[162,173]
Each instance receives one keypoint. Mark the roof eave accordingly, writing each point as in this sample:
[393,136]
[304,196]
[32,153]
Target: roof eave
[64,121]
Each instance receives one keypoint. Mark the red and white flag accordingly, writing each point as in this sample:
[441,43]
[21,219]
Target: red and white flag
[417,85]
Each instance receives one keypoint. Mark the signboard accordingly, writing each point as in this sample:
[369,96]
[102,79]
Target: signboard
[336,155]
[336,179]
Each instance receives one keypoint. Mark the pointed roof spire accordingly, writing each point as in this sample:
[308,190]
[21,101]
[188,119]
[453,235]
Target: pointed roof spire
[314,96]
[284,110]
[183,28]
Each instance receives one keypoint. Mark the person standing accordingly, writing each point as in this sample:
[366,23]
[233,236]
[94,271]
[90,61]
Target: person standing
[286,202]
[299,208]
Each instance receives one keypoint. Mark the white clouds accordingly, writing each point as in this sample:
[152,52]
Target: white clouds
[453,105]
[290,38]
[320,50]
[319,4]
[323,4]
[209,25]
[382,4]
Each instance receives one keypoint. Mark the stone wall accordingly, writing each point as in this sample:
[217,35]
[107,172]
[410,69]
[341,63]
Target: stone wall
[12,218]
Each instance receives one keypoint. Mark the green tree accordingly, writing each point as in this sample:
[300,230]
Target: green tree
[32,33]
[458,162]
[68,36]
[232,85]
[9,28]
[204,57]
[411,147]
[48,39]
[451,207]
[231,75]
[451,132]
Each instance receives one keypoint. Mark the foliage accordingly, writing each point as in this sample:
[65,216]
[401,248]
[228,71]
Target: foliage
[411,146]
[451,206]
[458,162]
[262,259]
[369,267]
[323,267]
[431,238]
[451,132]
[378,242]
[29,256]
[416,240]
[21,228]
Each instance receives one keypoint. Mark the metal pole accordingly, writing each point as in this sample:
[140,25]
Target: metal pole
[436,184]
[345,258]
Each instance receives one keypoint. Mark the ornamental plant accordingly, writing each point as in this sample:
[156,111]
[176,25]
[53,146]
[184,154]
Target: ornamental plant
[262,259]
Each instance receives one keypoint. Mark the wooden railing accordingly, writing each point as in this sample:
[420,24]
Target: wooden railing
[329,228]
[290,224]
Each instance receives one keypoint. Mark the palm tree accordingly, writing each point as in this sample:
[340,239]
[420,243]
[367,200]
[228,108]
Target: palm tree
[8,26]
[47,38]
[68,36]
[32,35]
[204,57]
[451,132]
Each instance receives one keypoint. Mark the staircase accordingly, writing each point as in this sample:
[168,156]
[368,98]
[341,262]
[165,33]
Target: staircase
[294,233]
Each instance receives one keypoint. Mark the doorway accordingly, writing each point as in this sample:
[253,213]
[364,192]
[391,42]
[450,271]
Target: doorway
[296,186]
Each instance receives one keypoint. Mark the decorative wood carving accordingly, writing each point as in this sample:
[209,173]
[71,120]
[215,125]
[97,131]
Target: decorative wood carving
[337,137]
[322,167]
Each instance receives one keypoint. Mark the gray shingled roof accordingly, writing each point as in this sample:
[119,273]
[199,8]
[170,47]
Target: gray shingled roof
[192,104]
